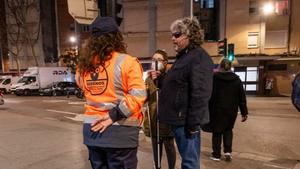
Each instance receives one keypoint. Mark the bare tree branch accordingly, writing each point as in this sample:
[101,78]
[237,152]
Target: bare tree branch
[23,31]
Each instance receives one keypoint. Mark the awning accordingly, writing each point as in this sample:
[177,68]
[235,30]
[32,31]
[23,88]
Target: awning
[258,58]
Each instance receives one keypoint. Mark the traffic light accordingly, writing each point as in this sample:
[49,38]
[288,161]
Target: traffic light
[118,12]
[222,47]
[230,52]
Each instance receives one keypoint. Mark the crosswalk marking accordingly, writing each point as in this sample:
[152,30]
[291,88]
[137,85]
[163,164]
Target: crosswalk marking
[69,102]
[275,166]
[61,112]
[54,101]
[78,117]
[76,102]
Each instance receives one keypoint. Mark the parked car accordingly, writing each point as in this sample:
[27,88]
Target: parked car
[36,78]
[79,93]
[59,88]
[1,98]
[6,82]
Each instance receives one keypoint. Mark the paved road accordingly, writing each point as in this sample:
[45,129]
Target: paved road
[45,133]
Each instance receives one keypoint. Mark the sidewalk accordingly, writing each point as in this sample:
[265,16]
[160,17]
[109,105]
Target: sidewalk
[241,160]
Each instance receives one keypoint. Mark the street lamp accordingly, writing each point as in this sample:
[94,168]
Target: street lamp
[268,8]
[73,39]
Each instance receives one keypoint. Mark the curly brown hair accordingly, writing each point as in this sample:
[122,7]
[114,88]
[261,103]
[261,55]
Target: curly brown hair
[103,46]
[189,27]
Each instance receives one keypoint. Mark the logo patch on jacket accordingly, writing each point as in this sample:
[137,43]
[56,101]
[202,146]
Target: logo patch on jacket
[97,81]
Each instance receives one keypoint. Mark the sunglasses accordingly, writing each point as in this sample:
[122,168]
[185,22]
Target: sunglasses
[176,34]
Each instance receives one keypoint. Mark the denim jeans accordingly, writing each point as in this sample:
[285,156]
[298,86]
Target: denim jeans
[188,147]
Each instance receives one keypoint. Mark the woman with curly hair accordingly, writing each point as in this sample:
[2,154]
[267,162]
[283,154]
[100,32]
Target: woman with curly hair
[186,90]
[115,92]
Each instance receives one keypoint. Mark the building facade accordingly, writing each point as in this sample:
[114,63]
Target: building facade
[266,42]
[266,45]
[28,35]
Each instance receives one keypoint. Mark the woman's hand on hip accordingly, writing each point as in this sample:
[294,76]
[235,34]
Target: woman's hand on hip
[101,124]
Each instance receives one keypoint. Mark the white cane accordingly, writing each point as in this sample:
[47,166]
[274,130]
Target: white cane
[150,128]
[157,121]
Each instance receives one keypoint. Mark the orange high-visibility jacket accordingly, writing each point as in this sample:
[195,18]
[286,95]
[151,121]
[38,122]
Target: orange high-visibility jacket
[117,85]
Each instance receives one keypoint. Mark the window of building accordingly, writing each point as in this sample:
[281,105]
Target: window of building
[242,75]
[249,77]
[251,87]
[252,75]
[85,28]
[281,7]
[207,3]
[253,39]
[253,7]
[276,39]
[206,11]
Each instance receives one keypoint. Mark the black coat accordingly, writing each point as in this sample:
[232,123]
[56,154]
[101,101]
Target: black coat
[228,95]
[164,129]
[186,89]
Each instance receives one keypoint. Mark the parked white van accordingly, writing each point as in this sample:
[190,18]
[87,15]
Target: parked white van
[6,82]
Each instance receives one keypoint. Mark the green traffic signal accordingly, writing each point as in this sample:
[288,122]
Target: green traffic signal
[230,53]
[230,57]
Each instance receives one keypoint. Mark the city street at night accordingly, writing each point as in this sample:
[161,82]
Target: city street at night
[45,133]
[72,68]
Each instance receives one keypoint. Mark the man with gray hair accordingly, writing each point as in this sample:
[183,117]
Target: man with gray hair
[186,90]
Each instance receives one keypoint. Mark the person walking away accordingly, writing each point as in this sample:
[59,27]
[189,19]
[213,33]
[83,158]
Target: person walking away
[166,137]
[269,86]
[186,90]
[115,93]
[228,95]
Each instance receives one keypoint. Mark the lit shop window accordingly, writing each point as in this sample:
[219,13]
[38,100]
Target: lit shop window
[252,74]
[251,87]
[249,77]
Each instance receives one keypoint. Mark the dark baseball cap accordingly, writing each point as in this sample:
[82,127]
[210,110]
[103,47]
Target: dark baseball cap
[102,25]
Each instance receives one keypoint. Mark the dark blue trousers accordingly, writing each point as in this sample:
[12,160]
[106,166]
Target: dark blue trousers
[217,141]
[113,158]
